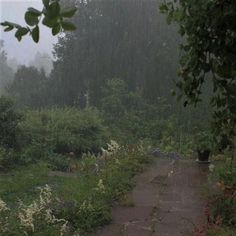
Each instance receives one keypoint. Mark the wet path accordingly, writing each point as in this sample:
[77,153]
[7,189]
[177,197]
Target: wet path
[167,202]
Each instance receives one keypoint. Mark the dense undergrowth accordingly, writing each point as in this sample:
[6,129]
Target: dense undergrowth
[56,133]
[58,163]
[53,134]
[220,210]
[71,204]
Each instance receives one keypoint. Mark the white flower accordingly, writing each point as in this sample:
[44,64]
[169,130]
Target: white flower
[3,206]
[170,173]
[211,167]
[100,186]
[112,148]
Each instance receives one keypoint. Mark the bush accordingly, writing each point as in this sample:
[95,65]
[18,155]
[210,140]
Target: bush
[59,162]
[64,130]
[223,204]
[7,158]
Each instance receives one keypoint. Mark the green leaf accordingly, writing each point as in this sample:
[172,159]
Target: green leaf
[34,11]
[163,8]
[68,26]
[56,29]
[35,34]
[18,38]
[54,9]
[50,22]
[10,24]
[9,28]
[16,25]
[69,12]
[21,32]
[31,19]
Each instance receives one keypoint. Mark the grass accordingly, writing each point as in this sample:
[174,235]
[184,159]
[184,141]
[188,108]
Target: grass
[86,197]
[222,232]
[21,183]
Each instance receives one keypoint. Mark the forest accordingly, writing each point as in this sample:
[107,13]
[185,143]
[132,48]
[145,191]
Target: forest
[130,82]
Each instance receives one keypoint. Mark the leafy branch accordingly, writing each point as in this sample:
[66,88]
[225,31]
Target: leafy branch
[52,16]
[207,53]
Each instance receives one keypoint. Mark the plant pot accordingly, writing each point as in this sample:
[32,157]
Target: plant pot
[203,155]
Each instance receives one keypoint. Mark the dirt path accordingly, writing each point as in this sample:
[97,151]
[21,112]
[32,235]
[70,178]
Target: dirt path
[167,202]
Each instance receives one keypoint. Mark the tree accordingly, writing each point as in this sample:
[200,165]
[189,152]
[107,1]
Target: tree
[117,39]
[113,41]
[42,61]
[29,87]
[9,119]
[6,73]
[208,28]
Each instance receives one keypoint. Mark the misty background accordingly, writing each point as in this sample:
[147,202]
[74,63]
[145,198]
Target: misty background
[120,46]
[26,52]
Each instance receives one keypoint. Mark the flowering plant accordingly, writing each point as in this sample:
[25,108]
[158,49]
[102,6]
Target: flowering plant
[203,141]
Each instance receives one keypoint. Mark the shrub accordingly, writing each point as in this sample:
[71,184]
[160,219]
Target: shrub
[36,218]
[59,162]
[7,158]
[64,130]
[223,204]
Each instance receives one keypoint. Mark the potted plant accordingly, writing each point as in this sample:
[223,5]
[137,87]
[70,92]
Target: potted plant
[203,144]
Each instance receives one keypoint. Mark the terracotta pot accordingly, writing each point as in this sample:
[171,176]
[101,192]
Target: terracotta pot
[203,155]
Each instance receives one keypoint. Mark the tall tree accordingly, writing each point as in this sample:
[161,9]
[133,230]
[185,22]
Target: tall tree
[42,61]
[115,39]
[29,87]
[6,73]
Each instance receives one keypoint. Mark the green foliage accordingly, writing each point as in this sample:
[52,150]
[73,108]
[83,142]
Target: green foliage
[29,87]
[84,199]
[9,122]
[35,218]
[203,141]
[58,162]
[51,135]
[6,73]
[107,45]
[131,118]
[221,232]
[225,173]
[20,183]
[6,158]
[92,215]
[64,130]
[208,29]
[223,203]
[113,99]
[52,16]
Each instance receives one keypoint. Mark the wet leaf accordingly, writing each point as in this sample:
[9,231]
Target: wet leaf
[68,26]
[31,19]
[35,34]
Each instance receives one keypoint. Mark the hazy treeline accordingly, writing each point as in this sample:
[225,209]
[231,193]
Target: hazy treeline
[113,41]
[10,69]
[6,72]
[127,40]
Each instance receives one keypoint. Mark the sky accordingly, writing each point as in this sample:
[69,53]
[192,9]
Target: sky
[24,51]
